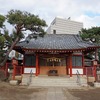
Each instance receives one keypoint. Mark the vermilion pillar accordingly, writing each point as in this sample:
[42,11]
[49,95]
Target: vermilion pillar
[95,72]
[96,54]
[83,66]
[94,68]
[70,64]
[21,70]
[6,70]
[37,65]
[14,71]
[15,64]
[95,63]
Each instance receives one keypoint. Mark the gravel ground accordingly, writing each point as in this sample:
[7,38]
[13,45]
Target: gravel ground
[86,93]
[8,92]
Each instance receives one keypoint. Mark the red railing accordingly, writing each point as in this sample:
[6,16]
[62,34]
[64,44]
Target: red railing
[91,72]
[18,70]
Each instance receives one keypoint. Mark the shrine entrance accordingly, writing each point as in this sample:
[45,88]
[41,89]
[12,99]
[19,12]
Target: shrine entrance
[52,66]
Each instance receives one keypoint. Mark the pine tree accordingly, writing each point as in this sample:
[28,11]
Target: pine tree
[21,22]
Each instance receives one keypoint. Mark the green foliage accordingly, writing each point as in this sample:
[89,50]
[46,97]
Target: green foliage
[14,35]
[2,19]
[2,52]
[21,21]
[92,34]
[5,43]
[7,36]
[2,41]
[2,38]
[25,21]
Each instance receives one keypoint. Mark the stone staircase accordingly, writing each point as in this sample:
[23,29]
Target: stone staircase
[27,79]
[53,81]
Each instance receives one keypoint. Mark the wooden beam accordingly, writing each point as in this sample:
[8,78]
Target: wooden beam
[37,65]
[14,71]
[67,68]
[6,70]
[70,64]
[96,54]
[83,64]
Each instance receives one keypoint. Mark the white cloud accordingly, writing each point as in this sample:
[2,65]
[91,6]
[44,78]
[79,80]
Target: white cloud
[49,9]
[88,21]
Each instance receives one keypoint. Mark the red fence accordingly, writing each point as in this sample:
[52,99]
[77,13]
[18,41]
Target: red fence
[17,70]
[91,72]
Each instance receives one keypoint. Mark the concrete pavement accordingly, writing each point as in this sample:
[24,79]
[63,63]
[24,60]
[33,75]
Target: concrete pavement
[52,93]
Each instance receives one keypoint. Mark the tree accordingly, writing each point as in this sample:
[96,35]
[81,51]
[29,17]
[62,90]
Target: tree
[2,38]
[2,19]
[91,35]
[23,21]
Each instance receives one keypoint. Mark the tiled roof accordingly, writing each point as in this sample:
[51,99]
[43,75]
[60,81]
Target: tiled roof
[56,41]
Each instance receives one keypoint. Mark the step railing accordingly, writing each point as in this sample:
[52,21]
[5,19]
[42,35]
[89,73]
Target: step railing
[78,78]
[30,78]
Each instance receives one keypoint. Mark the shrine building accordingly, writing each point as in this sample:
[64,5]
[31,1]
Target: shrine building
[55,54]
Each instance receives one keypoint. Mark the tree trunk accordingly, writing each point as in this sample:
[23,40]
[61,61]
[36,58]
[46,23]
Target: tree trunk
[11,48]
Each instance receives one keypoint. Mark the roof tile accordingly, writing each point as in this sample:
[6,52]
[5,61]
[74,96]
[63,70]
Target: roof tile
[56,41]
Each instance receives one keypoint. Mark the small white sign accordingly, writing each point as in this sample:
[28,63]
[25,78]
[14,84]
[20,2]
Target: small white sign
[74,70]
[29,70]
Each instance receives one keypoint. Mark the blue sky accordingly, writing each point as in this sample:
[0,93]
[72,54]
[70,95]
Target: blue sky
[91,14]
[86,11]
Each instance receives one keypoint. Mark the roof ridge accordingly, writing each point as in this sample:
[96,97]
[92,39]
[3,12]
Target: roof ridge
[78,38]
[60,34]
[57,42]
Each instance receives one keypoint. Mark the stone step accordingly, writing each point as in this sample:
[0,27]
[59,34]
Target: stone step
[54,85]
[64,82]
[52,81]
[97,84]
[57,80]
